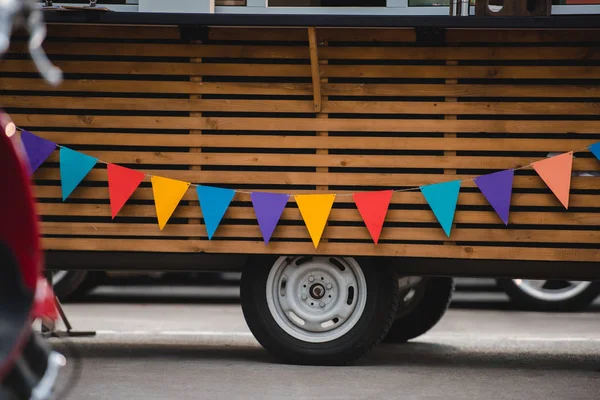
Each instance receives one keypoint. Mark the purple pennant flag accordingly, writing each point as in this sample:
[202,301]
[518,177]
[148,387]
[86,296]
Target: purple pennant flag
[37,149]
[268,208]
[497,189]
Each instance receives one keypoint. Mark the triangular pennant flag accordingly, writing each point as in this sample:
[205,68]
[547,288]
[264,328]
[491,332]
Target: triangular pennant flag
[497,189]
[556,173]
[442,198]
[268,208]
[167,195]
[122,182]
[595,149]
[315,209]
[38,149]
[214,202]
[373,207]
[74,166]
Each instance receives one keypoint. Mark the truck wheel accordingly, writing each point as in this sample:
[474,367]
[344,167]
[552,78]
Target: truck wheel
[550,295]
[421,306]
[318,310]
[71,285]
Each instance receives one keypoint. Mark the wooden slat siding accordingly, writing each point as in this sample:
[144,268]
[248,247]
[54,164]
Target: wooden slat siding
[307,142]
[327,71]
[307,124]
[303,106]
[305,89]
[509,111]
[277,248]
[319,160]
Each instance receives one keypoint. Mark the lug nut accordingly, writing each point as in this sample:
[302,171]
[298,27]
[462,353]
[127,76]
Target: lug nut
[329,286]
[311,278]
[322,304]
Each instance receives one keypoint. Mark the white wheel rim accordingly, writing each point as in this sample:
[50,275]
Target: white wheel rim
[538,289]
[58,276]
[316,299]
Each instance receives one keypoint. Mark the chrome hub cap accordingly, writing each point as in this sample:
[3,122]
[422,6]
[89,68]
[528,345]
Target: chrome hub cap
[316,299]
[554,290]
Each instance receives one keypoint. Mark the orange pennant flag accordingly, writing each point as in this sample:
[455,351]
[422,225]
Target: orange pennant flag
[167,195]
[556,173]
[315,209]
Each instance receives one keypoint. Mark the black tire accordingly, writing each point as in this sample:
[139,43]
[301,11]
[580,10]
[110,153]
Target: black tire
[75,285]
[527,302]
[370,329]
[432,305]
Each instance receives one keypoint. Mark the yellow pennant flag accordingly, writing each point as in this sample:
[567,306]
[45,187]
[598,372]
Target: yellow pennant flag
[315,209]
[167,195]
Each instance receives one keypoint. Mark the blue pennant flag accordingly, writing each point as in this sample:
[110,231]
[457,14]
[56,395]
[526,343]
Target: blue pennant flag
[74,166]
[595,149]
[214,202]
[442,198]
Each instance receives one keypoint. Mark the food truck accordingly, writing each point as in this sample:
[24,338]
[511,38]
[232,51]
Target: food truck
[348,157]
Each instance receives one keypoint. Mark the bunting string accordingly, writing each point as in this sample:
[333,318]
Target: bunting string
[442,198]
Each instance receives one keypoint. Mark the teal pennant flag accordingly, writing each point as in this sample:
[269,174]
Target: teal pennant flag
[442,198]
[214,202]
[74,166]
[595,149]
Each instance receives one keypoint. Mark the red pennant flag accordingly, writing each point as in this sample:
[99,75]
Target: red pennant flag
[122,182]
[556,173]
[373,207]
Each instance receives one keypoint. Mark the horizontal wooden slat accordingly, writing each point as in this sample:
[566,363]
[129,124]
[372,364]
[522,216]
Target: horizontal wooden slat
[415,197]
[459,72]
[319,160]
[157,68]
[460,90]
[522,35]
[307,124]
[329,89]
[404,216]
[326,71]
[194,105]
[391,250]
[458,53]
[304,106]
[315,142]
[325,52]
[321,178]
[332,232]
[116,86]
[167,50]
[323,34]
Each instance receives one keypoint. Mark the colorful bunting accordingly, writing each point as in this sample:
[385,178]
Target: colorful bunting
[497,189]
[214,202]
[38,149]
[315,209]
[595,149]
[373,207]
[268,208]
[556,173]
[167,195]
[74,166]
[442,198]
[122,182]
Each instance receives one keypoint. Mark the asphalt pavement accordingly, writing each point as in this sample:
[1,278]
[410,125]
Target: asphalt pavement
[189,342]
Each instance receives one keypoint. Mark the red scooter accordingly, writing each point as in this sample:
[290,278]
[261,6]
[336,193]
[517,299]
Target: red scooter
[29,368]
